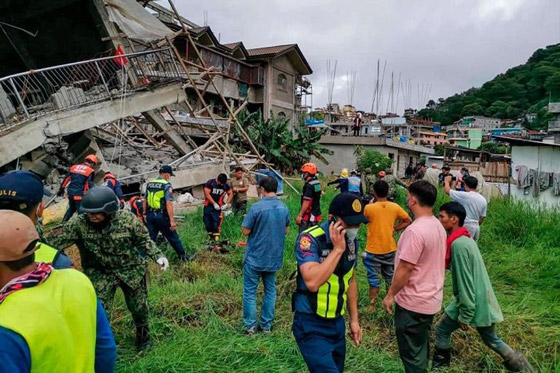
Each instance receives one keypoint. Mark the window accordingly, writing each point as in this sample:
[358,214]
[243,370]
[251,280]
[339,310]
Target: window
[281,115]
[391,156]
[282,82]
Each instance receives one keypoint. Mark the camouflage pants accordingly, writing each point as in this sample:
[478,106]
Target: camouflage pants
[136,299]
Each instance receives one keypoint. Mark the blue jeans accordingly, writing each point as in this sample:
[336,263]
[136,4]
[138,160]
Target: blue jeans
[250,283]
[322,342]
[158,222]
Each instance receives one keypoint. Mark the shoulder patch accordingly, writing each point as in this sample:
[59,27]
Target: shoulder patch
[305,244]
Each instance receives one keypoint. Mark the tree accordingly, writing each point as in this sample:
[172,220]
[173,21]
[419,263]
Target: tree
[277,143]
[439,149]
[494,148]
[372,160]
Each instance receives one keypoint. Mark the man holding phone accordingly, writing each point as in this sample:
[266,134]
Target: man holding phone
[326,285]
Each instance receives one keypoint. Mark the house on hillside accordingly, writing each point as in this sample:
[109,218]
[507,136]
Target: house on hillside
[535,169]
[464,137]
[480,122]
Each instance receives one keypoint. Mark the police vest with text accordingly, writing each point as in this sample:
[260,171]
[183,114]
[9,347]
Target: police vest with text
[46,253]
[156,195]
[329,301]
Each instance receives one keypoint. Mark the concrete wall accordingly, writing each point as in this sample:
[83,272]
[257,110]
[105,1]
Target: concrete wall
[543,158]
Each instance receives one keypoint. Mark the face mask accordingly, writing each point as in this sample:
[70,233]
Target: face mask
[351,234]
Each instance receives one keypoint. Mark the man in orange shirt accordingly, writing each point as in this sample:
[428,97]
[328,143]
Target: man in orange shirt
[379,257]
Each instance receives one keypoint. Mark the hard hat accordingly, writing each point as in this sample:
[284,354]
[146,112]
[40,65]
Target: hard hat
[100,199]
[18,236]
[92,158]
[344,172]
[109,175]
[382,173]
[310,168]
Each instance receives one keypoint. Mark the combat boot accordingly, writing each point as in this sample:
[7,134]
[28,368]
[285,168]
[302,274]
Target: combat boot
[442,358]
[143,341]
[516,362]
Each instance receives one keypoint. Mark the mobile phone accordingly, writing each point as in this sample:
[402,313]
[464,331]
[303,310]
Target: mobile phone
[333,219]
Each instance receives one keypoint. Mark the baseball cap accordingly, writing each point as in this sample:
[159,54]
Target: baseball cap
[349,208]
[18,236]
[22,186]
[166,170]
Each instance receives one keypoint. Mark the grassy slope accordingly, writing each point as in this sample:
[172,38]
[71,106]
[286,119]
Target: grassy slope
[196,309]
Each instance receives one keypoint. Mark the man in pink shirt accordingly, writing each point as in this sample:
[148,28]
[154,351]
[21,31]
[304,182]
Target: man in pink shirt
[417,287]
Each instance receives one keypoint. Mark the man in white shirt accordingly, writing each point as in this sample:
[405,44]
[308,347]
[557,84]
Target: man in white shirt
[473,202]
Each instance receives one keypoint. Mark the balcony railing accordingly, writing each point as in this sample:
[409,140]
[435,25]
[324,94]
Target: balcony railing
[35,93]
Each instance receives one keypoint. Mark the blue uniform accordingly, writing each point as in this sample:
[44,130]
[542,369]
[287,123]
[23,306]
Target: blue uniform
[16,357]
[355,186]
[158,221]
[322,341]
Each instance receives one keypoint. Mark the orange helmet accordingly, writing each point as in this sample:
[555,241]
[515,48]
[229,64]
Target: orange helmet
[310,168]
[382,173]
[92,158]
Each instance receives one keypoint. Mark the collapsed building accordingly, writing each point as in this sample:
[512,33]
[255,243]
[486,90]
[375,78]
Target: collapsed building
[138,85]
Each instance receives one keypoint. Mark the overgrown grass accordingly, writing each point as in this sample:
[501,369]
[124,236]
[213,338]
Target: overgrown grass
[196,309]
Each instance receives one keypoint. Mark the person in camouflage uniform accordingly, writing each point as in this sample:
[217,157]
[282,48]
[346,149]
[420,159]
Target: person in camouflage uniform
[393,181]
[369,179]
[112,251]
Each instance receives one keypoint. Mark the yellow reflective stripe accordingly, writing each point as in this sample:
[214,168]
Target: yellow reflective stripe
[333,296]
[315,231]
[45,253]
[346,279]
[323,299]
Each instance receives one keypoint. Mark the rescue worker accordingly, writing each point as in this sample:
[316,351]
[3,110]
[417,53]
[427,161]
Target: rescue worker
[110,180]
[50,320]
[137,207]
[111,243]
[310,212]
[355,184]
[393,181]
[77,182]
[217,194]
[23,191]
[341,182]
[158,207]
[327,255]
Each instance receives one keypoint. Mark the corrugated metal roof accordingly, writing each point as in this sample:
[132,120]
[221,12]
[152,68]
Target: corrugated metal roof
[265,51]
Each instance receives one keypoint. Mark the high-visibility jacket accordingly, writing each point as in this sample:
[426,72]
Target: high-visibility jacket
[57,319]
[329,301]
[78,181]
[46,253]
[155,194]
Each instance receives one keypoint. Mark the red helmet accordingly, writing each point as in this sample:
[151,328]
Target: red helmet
[92,158]
[310,168]
[382,173]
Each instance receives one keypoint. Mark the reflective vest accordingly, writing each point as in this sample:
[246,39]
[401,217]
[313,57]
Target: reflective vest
[329,301]
[354,183]
[57,319]
[46,253]
[156,194]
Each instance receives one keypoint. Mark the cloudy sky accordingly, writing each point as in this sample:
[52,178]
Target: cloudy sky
[440,46]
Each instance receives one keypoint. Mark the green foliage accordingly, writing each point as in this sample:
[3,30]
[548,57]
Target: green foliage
[281,146]
[439,149]
[317,115]
[494,148]
[520,90]
[372,160]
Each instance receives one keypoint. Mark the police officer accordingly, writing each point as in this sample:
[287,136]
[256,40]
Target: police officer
[110,180]
[355,184]
[111,244]
[23,191]
[77,182]
[310,212]
[217,194]
[50,320]
[326,286]
[158,207]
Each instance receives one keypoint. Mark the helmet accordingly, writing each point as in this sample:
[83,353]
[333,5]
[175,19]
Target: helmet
[100,199]
[92,158]
[382,173]
[17,236]
[310,168]
[344,172]
[109,175]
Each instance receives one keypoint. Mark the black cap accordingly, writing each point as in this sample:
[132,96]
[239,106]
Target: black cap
[166,170]
[22,186]
[349,208]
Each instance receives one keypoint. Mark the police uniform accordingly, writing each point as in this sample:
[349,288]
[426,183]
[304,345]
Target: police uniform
[78,181]
[158,193]
[311,192]
[211,217]
[319,327]
[23,188]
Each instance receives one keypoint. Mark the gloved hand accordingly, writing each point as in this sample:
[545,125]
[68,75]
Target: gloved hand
[216,206]
[163,262]
[225,206]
